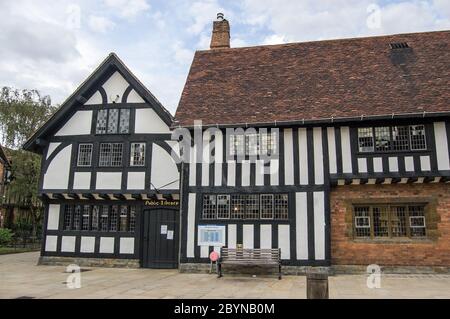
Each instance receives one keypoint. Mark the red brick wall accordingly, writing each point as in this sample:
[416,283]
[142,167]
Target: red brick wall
[433,252]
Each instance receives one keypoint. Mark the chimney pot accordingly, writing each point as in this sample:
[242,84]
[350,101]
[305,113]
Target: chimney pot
[221,33]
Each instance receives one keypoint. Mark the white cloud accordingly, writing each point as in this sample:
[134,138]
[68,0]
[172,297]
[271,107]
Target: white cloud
[275,39]
[203,13]
[307,20]
[128,9]
[100,24]
[50,46]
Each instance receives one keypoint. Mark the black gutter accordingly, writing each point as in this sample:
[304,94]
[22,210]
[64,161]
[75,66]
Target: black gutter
[340,120]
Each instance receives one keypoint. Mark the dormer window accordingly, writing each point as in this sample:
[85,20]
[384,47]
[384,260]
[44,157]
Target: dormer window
[113,121]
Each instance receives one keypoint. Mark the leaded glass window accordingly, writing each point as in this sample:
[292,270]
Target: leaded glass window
[267,206]
[223,206]
[124,124]
[365,139]
[417,134]
[113,121]
[123,218]
[137,154]
[102,118]
[84,155]
[382,138]
[238,203]
[110,155]
[95,217]
[104,218]
[113,217]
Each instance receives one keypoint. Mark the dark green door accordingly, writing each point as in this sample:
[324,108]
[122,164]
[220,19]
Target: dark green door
[160,246]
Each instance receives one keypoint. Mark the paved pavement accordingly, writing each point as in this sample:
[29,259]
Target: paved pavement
[20,277]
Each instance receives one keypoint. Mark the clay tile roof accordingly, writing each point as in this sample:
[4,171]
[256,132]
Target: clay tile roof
[318,80]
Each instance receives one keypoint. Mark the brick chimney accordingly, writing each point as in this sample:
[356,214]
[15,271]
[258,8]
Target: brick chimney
[221,33]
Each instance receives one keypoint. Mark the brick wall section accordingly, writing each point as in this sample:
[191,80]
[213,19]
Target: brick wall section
[433,252]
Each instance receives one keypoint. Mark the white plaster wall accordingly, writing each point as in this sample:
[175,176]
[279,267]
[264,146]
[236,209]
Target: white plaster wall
[136,180]
[134,97]
[245,173]
[50,243]
[266,236]
[147,121]
[318,155]
[274,172]
[126,245]
[284,242]
[319,225]
[87,244]
[96,98]
[288,157]
[332,149]
[82,180]
[442,155]
[232,235]
[346,150]
[393,164]
[68,244]
[106,245]
[164,169]
[425,164]
[301,225]
[303,156]
[79,124]
[362,165]
[259,168]
[377,164]
[108,180]
[204,251]
[190,251]
[248,237]
[53,217]
[115,85]
[231,173]
[409,164]
[192,166]
[57,175]
[51,148]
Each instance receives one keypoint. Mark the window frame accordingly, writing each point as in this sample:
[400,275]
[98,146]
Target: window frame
[393,141]
[244,204]
[90,154]
[111,151]
[119,118]
[390,213]
[132,164]
[267,144]
[103,218]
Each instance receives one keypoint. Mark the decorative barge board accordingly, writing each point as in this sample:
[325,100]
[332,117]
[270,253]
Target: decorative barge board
[348,114]
[106,161]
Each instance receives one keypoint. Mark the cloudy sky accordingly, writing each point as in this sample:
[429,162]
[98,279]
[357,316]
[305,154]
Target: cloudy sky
[53,45]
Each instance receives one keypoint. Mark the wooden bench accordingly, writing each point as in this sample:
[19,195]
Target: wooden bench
[249,257]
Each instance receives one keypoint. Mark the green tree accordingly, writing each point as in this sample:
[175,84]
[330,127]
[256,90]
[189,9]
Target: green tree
[22,112]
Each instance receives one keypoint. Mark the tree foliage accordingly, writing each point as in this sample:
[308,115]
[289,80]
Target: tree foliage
[22,112]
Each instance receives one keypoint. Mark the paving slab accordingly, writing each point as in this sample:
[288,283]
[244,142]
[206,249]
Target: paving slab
[21,276]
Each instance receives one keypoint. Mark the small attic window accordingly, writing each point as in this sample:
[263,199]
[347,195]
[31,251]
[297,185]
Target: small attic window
[399,45]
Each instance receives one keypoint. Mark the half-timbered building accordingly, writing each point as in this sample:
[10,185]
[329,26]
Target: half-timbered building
[106,161]
[336,152]
[360,129]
